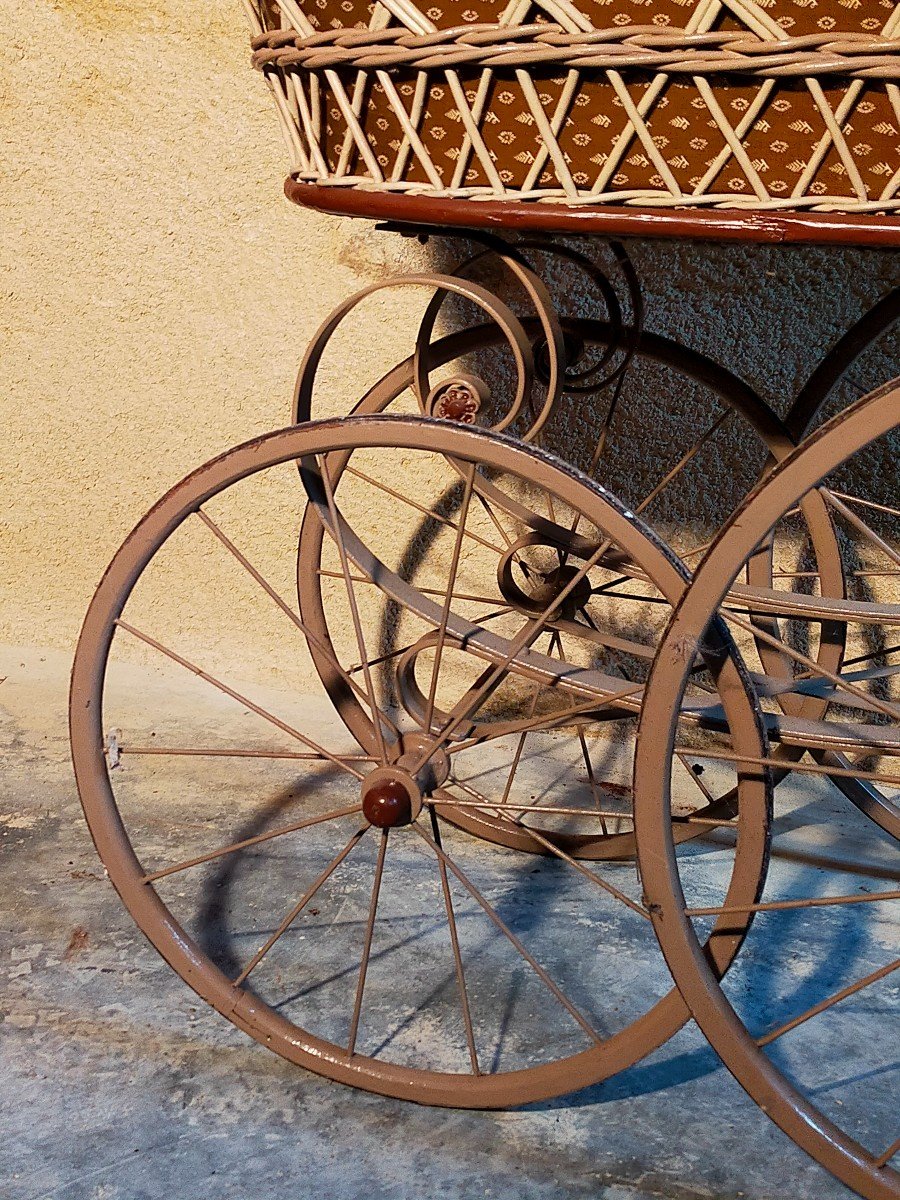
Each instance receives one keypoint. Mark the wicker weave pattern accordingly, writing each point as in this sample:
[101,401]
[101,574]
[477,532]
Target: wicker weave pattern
[675,52]
[541,105]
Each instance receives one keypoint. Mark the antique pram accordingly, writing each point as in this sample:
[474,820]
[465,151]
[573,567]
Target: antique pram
[527,683]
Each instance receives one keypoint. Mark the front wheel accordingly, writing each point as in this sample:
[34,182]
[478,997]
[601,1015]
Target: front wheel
[357,932]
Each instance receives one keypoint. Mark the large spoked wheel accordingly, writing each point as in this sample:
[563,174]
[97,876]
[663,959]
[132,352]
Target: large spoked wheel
[816,400]
[529,546]
[803,1060]
[356,932]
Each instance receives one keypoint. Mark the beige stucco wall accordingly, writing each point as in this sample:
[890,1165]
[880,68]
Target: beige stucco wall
[158,290]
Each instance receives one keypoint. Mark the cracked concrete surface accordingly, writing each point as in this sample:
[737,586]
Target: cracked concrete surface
[121,1085]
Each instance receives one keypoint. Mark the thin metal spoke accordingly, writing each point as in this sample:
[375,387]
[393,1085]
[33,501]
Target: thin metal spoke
[457,954]
[527,636]
[223,687]
[554,849]
[798,767]
[253,841]
[589,766]
[636,575]
[482,802]
[551,512]
[514,765]
[821,1007]
[424,590]
[602,438]
[428,512]
[710,822]
[884,1159]
[696,778]
[367,945]
[696,550]
[600,448]
[592,624]
[382,658]
[686,459]
[495,918]
[609,416]
[238,752]
[796,574]
[582,869]
[783,905]
[884,508]
[295,618]
[354,608]
[520,745]
[517,557]
[817,669]
[548,721]
[492,616]
[860,526]
[603,814]
[584,749]
[494,519]
[496,807]
[817,574]
[298,908]
[861,658]
[448,598]
[606,589]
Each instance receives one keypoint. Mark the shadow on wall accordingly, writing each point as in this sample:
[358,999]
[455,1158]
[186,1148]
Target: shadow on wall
[726,328]
[681,361]
[730,335]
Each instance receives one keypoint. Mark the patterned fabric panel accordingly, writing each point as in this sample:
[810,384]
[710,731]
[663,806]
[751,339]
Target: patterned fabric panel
[681,147]
[780,142]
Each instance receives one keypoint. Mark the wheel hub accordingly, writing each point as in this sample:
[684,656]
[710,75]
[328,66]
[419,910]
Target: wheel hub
[543,586]
[458,399]
[390,798]
[432,774]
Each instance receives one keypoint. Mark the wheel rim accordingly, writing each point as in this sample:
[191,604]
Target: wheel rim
[811,402]
[140,887]
[866,1170]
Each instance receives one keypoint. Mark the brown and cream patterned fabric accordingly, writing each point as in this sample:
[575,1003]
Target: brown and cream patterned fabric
[780,105]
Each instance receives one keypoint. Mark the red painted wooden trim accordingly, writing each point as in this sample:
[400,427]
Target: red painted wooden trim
[606,221]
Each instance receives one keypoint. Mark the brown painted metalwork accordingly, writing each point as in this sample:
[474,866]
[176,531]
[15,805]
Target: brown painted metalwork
[417,766]
[580,627]
[737,399]
[812,398]
[837,1145]
[538,571]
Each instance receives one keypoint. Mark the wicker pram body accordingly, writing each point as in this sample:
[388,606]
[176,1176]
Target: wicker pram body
[733,116]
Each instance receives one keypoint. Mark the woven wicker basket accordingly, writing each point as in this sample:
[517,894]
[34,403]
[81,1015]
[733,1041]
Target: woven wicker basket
[762,106]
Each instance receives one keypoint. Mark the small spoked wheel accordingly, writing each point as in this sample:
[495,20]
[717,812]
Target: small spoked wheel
[824,944]
[524,554]
[310,888]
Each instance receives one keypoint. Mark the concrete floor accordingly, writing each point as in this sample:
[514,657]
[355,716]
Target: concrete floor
[119,1083]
